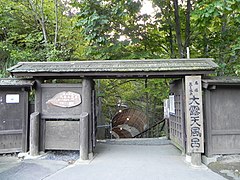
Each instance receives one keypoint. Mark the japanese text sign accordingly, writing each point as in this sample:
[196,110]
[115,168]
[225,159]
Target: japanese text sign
[194,114]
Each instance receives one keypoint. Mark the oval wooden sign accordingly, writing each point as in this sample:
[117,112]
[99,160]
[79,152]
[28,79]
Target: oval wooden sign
[65,99]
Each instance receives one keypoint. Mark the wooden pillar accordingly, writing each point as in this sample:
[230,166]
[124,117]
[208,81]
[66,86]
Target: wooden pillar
[38,108]
[194,118]
[34,134]
[38,96]
[84,136]
[87,107]
[25,124]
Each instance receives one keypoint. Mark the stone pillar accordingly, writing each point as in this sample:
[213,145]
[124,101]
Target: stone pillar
[196,159]
[34,134]
[87,107]
[84,136]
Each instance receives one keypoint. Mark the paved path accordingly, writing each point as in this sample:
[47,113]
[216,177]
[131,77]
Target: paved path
[13,169]
[135,162]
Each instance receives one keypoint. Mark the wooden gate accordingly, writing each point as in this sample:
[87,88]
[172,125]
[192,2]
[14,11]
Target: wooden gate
[13,120]
[61,109]
[177,119]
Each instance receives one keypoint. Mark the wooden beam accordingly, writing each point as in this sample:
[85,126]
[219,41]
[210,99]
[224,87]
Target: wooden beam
[115,75]
[87,107]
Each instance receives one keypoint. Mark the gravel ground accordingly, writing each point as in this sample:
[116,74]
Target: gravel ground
[67,156]
[228,166]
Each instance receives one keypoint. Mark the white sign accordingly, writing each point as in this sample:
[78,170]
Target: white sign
[65,99]
[12,98]
[166,108]
[194,114]
[171,105]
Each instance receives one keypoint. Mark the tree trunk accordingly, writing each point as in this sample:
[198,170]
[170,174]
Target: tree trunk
[178,28]
[56,21]
[169,12]
[188,30]
[43,23]
[39,15]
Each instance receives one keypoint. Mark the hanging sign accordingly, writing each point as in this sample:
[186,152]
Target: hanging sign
[65,99]
[194,114]
[12,98]
[171,105]
[166,108]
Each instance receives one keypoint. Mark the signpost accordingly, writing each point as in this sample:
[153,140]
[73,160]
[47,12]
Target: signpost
[194,117]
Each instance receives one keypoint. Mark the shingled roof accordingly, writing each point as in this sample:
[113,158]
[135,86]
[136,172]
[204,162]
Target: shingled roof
[12,82]
[221,80]
[115,68]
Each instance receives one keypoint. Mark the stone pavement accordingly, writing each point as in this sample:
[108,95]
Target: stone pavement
[113,162]
[123,162]
[36,169]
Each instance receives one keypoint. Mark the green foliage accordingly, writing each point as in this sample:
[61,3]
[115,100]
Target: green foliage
[114,29]
[216,27]
[22,37]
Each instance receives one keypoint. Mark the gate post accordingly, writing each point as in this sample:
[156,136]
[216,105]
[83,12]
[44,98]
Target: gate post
[87,107]
[34,134]
[84,136]
[194,118]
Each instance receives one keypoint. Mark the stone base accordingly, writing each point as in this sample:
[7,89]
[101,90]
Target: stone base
[207,160]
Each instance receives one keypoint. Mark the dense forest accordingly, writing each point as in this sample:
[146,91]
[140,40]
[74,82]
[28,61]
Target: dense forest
[72,30]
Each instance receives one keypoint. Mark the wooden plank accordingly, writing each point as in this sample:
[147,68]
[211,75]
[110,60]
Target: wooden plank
[11,132]
[225,143]
[60,85]
[208,123]
[62,135]
[10,141]
[25,122]
[38,108]
[94,117]
[226,151]
[226,132]
[106,75]
[61,116]
[194,114]
[222,124]
[176,121]
[50,111]
[10,150]
[225,108]
[13,113]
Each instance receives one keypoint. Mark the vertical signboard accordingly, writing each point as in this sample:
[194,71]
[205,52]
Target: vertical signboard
[171,104]
[166,108]
[194,114]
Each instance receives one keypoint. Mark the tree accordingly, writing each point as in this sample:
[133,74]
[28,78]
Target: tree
[40,30]
[216,33]
[116,30]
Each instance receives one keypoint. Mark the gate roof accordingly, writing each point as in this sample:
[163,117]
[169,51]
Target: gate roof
[115,68]
[11,82]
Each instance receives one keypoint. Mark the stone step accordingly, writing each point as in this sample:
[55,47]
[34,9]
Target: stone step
[137,141]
